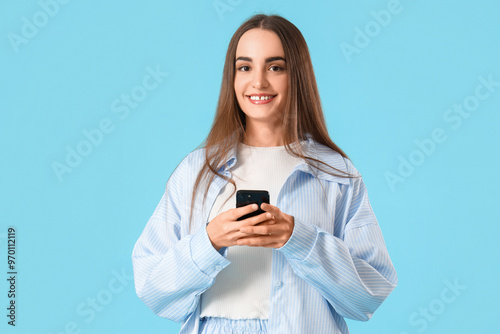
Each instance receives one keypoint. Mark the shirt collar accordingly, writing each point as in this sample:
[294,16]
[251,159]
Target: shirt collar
[315,150]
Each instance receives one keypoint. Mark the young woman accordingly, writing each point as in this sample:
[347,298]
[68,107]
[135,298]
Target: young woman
[315,256]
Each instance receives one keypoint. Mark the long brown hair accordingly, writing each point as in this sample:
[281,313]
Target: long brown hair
[303,113]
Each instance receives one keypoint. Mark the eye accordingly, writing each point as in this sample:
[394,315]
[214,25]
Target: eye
[243,68]
[276,68]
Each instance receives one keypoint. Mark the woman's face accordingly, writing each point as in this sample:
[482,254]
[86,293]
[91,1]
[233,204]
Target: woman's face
[261,74]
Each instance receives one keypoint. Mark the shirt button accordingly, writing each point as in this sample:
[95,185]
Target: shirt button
[278,283]
[218,268]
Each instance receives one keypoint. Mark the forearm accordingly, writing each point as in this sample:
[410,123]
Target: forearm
[352,285]
[170,282]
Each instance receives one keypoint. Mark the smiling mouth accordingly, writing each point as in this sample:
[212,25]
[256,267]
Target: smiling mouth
[261,98]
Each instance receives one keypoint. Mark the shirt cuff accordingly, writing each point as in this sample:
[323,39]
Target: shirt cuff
[301,241]
[205,256]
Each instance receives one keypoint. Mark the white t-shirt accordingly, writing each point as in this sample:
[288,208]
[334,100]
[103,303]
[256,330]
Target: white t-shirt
[242,289]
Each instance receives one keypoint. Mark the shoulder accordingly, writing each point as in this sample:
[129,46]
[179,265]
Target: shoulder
[334,159]
[189,165]
[194,158]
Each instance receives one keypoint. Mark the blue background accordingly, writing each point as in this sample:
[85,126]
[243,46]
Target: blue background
[76,232]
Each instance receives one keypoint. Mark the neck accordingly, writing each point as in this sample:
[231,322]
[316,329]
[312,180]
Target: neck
[263,136]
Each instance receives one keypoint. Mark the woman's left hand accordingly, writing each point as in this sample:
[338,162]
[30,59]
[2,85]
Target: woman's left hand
[271,233]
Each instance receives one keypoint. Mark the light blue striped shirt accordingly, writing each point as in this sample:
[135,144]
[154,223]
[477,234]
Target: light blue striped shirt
[334,266]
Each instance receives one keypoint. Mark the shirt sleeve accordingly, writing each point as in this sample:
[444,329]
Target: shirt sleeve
[172,271]
[354,274]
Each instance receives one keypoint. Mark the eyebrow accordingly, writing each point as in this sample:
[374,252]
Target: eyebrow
[268,60]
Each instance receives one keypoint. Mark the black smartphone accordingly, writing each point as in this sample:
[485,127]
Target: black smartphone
[246,197]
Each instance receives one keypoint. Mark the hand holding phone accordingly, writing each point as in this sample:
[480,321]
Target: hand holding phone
[246,197]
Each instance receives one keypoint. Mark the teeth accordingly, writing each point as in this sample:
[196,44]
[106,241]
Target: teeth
[257,98]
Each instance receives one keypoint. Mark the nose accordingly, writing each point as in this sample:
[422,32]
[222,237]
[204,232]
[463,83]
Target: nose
[260,79]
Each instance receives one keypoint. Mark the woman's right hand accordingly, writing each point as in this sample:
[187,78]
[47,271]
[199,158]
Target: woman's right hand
[224,229]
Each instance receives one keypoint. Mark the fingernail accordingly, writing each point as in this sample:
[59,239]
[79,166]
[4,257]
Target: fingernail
[255,206]
[268,215]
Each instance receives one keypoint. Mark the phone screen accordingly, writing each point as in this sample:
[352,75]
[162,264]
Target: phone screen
[246,197]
